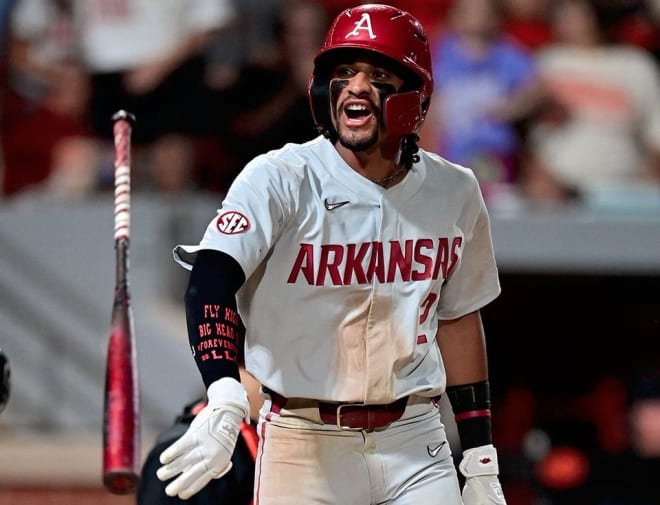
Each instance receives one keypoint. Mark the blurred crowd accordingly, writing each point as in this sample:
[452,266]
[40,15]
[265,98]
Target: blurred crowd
[548,101]
[211,82]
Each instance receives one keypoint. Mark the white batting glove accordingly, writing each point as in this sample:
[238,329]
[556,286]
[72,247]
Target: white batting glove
[204,451]
[480,469]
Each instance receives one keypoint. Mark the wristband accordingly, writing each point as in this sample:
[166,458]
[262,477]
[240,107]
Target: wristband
[471,406]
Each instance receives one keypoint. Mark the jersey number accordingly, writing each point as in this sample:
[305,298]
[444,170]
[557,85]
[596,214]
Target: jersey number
[426,307]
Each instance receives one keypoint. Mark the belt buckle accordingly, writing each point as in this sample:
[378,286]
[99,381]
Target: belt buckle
[341,406]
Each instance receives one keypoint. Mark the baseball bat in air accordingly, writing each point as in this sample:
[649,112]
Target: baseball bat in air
[121,410]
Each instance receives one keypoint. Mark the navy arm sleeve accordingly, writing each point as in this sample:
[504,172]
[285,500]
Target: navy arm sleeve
[215,330]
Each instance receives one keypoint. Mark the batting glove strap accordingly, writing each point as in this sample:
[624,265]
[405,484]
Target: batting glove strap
[204,451]
[479,461]
[228,391]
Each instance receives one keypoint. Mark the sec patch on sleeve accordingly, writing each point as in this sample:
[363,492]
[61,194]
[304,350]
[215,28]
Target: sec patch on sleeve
[231,223]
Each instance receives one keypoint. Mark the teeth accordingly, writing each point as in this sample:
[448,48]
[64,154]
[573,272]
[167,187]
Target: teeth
[356,107]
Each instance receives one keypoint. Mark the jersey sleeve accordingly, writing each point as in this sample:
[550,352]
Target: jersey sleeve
[246,226]
[474,282]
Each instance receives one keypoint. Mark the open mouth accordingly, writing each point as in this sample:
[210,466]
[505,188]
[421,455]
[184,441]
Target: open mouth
[355,111]
[357,114]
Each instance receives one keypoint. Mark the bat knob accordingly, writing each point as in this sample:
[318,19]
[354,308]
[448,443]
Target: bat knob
[123,115]
[5,387]
[121,482]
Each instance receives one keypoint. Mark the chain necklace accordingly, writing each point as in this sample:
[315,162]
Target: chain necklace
[386,180]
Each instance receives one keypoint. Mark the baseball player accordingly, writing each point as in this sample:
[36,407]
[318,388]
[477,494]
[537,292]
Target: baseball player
[358,263]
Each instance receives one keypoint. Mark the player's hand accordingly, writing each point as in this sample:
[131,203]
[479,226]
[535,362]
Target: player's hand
[204,451]
[480,469]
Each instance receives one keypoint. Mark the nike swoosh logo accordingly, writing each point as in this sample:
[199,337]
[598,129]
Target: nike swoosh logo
[433,452]
[333,205]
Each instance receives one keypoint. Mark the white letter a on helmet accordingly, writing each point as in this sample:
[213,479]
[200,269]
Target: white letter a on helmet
[363,24]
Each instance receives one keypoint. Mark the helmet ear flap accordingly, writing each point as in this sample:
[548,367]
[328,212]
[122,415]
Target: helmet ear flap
[319,103]
[403,113]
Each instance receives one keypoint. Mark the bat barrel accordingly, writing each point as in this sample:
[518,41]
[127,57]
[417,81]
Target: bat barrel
[121,448]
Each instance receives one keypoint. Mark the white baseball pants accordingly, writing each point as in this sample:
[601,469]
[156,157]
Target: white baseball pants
[302,461]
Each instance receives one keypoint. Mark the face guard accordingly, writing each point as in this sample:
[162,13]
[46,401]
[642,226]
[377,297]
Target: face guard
[380,31]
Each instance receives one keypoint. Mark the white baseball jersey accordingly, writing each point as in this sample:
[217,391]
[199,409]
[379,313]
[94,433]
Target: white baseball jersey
[346,280]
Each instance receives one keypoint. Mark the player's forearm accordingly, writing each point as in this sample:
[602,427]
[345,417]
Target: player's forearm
[462,345]
[215,331]
[463,349]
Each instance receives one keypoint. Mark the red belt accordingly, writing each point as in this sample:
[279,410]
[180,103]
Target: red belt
[348,416]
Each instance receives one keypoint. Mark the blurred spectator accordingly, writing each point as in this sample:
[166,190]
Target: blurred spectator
[600,129]
[634,22]
[644,416]
[334,7]
[526,21]
[576,472]
[556,436]
[45,140]
[629,478]
[249,39]
[485,86]
[149,57]
[268,104]
[5,9]
[653,10]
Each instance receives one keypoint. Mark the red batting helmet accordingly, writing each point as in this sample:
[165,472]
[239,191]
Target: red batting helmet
[389,32]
